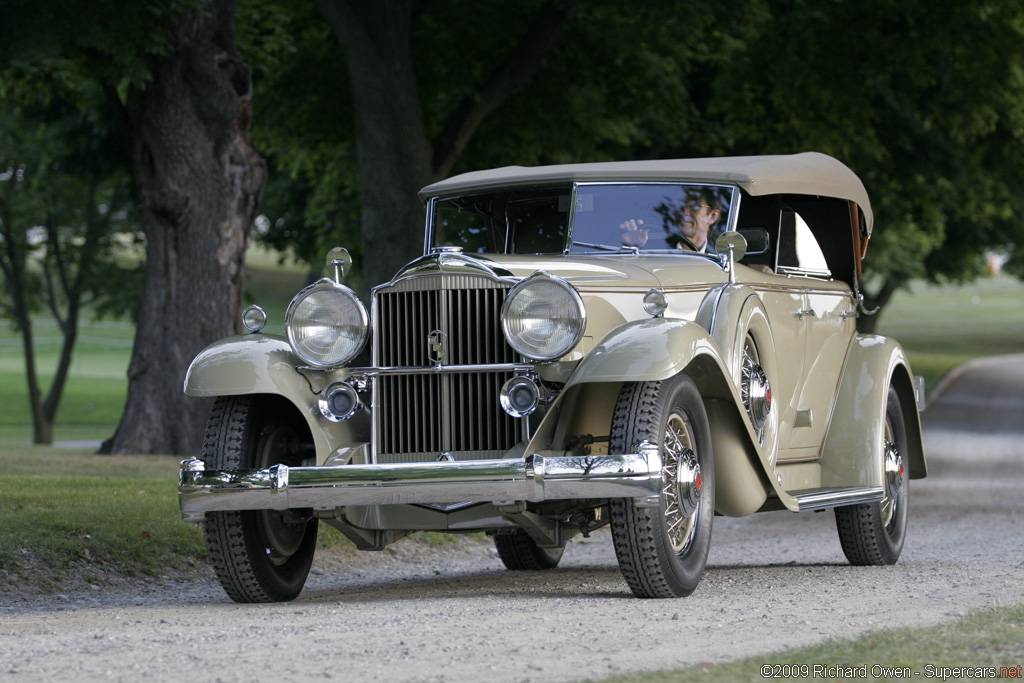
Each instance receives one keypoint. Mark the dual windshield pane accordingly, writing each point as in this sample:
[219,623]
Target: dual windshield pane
[607,218]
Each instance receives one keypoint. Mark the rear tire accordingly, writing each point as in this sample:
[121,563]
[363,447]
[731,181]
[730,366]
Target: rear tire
[662,551]
[873,533]
[257,555]
[518,551]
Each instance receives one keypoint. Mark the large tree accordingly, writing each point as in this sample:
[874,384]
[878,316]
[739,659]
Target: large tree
[924,105]
[181,95]
[200,181]
[395,155]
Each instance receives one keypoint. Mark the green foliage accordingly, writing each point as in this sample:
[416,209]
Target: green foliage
[924,105]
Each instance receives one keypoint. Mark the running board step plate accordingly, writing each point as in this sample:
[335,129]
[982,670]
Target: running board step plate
[824,498]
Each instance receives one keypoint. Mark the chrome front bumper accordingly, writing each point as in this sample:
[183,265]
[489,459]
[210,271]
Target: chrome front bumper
[534,478]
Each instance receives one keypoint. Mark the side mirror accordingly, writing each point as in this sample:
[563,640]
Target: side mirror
[339,259]
[731,244]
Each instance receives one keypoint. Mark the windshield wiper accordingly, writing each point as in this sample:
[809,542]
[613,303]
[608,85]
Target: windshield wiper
[607,247]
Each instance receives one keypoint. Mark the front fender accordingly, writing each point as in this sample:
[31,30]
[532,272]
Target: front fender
[852,454]
[246,364]
[646,351]
[255,364]
[654,350]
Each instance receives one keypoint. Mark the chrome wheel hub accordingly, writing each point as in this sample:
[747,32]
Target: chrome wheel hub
[894,474]
[682,483]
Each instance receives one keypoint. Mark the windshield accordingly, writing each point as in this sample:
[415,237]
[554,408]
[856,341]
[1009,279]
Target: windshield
[606,217]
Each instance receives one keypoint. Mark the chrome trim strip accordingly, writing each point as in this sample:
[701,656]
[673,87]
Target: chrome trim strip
[821,499]
[534,478]
[358,373]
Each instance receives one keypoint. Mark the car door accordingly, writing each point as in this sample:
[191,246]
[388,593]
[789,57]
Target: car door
[827,324]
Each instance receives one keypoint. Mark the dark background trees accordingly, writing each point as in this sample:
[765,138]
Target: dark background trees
[175,89]
[356,105]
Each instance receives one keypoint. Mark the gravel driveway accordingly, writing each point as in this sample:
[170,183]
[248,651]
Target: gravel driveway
[774,581]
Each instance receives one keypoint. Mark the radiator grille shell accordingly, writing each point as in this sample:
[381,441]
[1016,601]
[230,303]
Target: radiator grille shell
[416,417]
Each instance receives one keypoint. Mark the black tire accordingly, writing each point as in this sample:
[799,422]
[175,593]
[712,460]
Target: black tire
[518,551]
[258,555]
[873,533]
[661,551]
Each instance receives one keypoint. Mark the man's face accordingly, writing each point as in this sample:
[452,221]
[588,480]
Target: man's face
[696,220]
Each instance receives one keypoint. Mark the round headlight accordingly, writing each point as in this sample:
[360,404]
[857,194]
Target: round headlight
[543,317]
[326,324]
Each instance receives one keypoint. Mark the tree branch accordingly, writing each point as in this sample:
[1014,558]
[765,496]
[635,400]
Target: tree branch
[508,79]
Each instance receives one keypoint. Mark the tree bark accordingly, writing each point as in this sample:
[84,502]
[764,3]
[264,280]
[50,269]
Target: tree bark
[200,181]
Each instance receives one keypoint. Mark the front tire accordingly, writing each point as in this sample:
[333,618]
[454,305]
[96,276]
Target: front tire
[257,555]
[873,533]
[662,550]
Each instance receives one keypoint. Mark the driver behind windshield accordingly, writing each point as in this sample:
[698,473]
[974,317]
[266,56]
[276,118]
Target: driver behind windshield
[686,224]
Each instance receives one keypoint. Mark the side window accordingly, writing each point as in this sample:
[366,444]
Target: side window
[798,250]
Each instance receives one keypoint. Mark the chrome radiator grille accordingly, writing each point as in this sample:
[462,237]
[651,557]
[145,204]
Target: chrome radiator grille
[419,416]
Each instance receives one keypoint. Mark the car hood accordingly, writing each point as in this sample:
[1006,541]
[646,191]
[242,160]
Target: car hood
[583,271]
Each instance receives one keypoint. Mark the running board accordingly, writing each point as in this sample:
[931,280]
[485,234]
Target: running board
[824,498]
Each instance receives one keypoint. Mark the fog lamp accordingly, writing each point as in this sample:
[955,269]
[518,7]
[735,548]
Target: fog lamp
[520,396]
[339,402]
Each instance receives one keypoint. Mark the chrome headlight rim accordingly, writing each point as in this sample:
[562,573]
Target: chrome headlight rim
[576,301]
[362,321]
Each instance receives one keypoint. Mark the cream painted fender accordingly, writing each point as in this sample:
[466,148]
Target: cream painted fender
[733,314]
[852,454]
[264,364]
[654,350]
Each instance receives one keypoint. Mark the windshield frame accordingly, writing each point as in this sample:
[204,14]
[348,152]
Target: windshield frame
[735,197]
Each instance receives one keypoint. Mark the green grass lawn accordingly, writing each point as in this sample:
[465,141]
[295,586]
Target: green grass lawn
[97,386]
[942,327]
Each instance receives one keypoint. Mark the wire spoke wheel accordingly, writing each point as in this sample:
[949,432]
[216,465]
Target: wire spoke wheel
[755,390]
[662,548]
[678,449]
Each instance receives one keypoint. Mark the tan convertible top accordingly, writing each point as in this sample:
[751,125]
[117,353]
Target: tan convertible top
[808,173]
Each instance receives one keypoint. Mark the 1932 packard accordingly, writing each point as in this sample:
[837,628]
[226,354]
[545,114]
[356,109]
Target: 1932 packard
[566,355]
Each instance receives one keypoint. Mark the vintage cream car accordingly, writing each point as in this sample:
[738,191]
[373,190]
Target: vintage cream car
[571,352]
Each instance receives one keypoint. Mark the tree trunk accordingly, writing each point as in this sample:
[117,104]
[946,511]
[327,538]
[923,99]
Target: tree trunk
[395,156]
[200,182]
[392,149]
